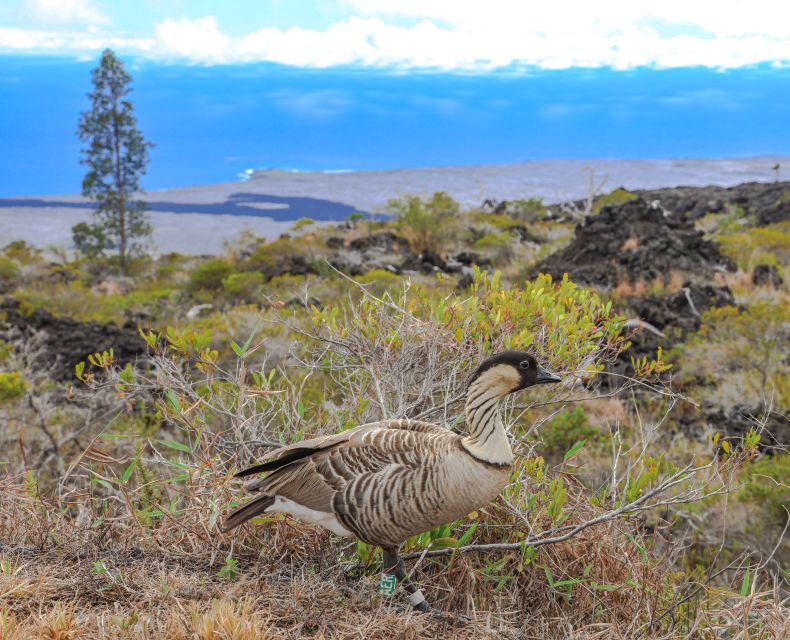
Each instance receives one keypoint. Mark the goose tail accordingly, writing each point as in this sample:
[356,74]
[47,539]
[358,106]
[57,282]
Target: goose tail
[247,512]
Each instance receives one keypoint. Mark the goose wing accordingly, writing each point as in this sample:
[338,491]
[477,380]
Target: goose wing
[340,474]
[298,450]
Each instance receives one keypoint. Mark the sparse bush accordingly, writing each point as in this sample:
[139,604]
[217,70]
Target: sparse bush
[767,486]
[734,355]
[210,274]
[378,276]
[565,429]
[499,243]
[9,272]
[761,245]
[12,386]
[529,209]
[302,223]
[244,286]
[424,221]
[22,252]
[613,199]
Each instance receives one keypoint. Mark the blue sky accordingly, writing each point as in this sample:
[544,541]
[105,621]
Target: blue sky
[223,87]
[445,35]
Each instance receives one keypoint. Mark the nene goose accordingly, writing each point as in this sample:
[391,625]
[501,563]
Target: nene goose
[386,481]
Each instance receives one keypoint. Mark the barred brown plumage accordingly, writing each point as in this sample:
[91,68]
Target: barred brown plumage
[386,481]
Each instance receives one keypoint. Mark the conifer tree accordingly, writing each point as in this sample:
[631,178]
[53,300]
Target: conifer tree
[116,156]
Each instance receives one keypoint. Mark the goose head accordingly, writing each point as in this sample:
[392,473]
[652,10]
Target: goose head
[510,371]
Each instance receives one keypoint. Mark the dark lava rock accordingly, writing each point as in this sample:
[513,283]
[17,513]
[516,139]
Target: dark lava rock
[470,258]
[683,309]
[525,235]
[65,342]
[739,420]
[631,242]
[767,274]
[386,241]
[335,242]
[673,315]
[769,201]
[291,265]
[426,262]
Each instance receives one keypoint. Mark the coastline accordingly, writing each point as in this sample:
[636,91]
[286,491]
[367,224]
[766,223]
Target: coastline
[201,219]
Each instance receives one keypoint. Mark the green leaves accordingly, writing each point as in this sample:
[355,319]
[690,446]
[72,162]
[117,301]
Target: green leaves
[574,450]
[172,401]
[178,446]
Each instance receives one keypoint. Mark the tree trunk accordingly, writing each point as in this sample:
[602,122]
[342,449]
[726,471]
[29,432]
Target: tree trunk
[121,212]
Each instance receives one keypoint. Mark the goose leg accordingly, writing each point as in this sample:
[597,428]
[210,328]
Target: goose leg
[394,565]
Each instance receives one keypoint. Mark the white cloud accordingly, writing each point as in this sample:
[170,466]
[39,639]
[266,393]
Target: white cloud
[198,40]
[51,12]
[472,35]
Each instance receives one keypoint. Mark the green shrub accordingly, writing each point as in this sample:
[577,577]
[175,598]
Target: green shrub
[565,429]
[302,223]
[267,256]
[767,484]
[761,245]
[529,209]
[500,243]
[613,199]
[377,275]
[21,251]
[9,271]
[424,221]
[736,354]
[12,386]
[209,275]
[243,286]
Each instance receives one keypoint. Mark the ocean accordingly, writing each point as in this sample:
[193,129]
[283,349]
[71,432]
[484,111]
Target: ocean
[215,124]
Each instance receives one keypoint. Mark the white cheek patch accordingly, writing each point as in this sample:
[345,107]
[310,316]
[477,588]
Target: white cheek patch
[502,378]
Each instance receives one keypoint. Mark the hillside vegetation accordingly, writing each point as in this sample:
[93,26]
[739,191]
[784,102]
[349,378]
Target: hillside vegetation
[651,493]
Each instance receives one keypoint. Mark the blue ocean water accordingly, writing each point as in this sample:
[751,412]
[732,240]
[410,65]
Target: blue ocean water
[212,124]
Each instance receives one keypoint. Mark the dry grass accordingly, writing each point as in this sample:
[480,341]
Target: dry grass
[63,577]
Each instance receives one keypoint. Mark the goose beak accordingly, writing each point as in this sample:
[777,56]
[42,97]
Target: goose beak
[544,377]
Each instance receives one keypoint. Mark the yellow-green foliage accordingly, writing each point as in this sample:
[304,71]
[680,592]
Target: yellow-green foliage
[496,241]
[9,270]
[381,276]
[210,274]
[736,354]
[22,252]
[761,245]
[563,322]
[529,209]
[496,220]
[767,483]
[613,199]
[302,223]
[424,221]
[243,286]
[12,386]
[78,301]
[267,256]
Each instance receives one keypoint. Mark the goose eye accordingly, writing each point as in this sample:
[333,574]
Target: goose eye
[524,364]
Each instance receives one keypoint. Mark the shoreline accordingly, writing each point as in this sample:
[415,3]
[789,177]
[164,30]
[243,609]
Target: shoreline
[201,219]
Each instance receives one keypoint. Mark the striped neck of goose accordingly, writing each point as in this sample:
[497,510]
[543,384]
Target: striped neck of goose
[487,439]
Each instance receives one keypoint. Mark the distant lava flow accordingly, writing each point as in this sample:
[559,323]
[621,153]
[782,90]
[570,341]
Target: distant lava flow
[280,208]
